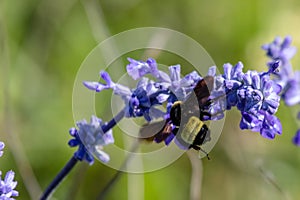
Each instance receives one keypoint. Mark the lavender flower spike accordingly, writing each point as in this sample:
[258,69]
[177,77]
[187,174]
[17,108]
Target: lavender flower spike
[254,94]
[7,186]
[142,100]
[90,139]
[280,50]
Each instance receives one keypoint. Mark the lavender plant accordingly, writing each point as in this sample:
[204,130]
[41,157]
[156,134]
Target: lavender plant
[255,94]
[7,185]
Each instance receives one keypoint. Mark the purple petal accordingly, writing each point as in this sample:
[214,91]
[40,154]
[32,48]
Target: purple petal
[276,88]
[98,87]
[296,138]
[289,53]
[105,76]
[227,70]
[267,133]
[95,121]
[164,77]
[72,131]
[137,69]
[286,42]
[277,125]
[9,177]
[2,145]
[101,155]
[175,72]
[108,138]
[256,81]
[153,67]
[73,142]
[292,96]
[91,85]
[122,91]
[247,79]
[238,69]
[212,71]
[162,98]
[150,88]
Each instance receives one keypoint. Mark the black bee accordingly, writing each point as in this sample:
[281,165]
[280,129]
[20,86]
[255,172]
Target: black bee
[187,117]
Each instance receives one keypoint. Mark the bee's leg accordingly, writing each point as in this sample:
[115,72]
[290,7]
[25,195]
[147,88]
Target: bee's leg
[198,148]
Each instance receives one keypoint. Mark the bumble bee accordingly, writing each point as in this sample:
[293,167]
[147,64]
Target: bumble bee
[185,120]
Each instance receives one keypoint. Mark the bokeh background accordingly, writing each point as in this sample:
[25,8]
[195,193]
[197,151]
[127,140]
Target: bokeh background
[44,42]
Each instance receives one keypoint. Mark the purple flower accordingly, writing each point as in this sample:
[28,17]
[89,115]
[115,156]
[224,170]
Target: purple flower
[296,139]
[7,186]
[90,139]
[281,51]
[1,148]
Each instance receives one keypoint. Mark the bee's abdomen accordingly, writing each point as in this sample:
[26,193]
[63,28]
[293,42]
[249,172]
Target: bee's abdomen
[202,136]
[191,130]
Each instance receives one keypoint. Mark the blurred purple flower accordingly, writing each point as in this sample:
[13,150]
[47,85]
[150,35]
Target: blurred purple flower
[2,145]
[90,139]
[7,186]
[291,94]
[282,51]
[296,139]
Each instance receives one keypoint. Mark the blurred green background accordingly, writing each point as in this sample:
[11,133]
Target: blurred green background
[44,42]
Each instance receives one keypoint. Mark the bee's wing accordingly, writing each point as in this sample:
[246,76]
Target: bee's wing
[202,90]
[157,131]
